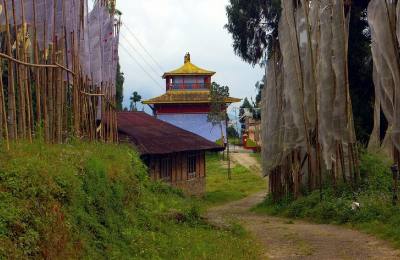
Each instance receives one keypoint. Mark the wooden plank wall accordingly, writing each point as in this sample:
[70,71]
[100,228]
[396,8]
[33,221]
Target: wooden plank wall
[179,166]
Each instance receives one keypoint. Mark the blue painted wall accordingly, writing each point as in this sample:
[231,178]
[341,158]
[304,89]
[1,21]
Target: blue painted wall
[195,123]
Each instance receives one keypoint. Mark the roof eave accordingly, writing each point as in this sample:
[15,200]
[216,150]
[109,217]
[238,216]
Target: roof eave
[214,150]
[211,73]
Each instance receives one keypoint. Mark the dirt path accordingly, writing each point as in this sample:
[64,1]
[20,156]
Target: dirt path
[246,160]
[286,239]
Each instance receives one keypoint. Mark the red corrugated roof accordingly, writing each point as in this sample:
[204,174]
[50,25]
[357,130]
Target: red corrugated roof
[153,136]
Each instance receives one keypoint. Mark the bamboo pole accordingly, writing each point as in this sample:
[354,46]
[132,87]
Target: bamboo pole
[342,162]
[37,72]
[3,116]
[50,83]
[21,92]
[41,93]
[25,80]
[11,88]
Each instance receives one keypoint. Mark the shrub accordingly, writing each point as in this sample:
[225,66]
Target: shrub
[90,201]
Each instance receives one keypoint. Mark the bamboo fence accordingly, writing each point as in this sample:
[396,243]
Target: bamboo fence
[44,93]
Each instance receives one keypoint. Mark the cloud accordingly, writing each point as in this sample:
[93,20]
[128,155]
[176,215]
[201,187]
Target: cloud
[170,28]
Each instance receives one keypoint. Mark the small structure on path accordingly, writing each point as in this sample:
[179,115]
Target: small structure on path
[186,103]
[172,154]
[251,130]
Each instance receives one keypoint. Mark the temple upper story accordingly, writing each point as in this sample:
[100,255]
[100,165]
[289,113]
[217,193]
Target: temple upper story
[187,101]
[188,85]
[188,77]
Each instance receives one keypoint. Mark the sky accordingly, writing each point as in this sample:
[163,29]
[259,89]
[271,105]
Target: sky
[170,28]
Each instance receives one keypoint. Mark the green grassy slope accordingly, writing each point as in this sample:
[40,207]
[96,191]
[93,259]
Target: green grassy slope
[95,201]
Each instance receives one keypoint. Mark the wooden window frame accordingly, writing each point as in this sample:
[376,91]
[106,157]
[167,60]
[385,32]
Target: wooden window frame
[191,166]
[166,169]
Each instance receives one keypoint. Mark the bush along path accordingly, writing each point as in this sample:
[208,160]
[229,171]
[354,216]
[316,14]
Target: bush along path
[285,238]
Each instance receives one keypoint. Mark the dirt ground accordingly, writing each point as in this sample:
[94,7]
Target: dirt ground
[282,238]
[246,160]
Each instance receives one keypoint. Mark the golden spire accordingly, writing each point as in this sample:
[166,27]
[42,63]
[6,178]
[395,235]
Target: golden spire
[187,57]
[188,69]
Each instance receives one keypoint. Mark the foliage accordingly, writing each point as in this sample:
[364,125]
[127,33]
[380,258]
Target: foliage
[360,71]
[120,79]
[376,214]
[236,141]
[251,143]
[246,105]
[218,94]
[220,142]
[135,98]
[259,86]
[254,27]
[219,190]
[232,132]
[95,201]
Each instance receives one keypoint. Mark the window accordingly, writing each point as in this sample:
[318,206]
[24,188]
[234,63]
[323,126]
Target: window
[191,166]
[166,169]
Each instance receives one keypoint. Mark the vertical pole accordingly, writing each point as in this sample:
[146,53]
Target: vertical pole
[11,88]
[25,79]
[395,173]
[227,145]
[36,59]
[21,96]
[3,115]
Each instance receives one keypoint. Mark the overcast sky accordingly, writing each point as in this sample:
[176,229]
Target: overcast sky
[170,28]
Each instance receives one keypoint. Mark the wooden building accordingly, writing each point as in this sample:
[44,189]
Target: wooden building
[172,154]
[186,103]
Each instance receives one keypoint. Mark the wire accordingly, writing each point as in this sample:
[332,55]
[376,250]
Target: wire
[141,56]
[137,63]
[144,48]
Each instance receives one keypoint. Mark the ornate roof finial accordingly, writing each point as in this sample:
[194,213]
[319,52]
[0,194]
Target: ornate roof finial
[187,57]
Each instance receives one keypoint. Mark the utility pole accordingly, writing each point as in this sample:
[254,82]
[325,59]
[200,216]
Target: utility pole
[227,145]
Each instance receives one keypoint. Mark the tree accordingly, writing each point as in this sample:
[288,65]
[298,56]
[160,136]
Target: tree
[232,132]
[254,27]
[218,114]
[360,71]
[119,87]
[135,98]
[259,86]
[245,106]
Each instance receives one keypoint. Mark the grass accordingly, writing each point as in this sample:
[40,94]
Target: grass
[251,143]
[257,156]
[91,201]
[220,190]
[376,214]
[235,141]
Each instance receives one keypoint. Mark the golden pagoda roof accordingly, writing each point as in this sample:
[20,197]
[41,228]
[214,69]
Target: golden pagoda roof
[186,97]
[188,69]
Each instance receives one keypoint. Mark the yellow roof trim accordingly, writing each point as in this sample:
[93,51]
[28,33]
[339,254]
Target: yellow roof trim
[185,97]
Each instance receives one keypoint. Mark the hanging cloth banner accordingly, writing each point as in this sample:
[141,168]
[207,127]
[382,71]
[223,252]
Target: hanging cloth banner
[95,44]
[385,52]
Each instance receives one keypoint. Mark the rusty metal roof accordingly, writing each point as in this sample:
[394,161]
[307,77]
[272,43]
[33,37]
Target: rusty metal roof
[155,137]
